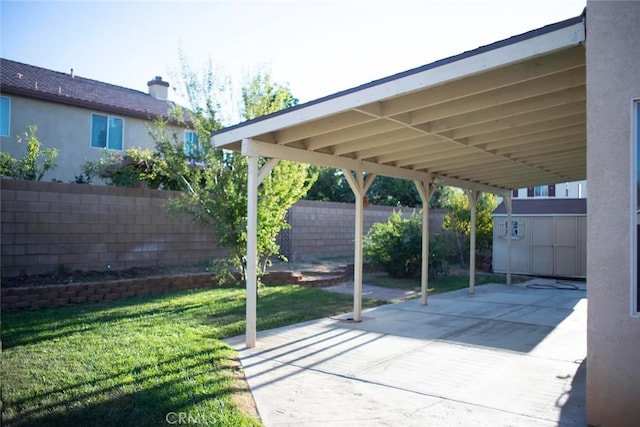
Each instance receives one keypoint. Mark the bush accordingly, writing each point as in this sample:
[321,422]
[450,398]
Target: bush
[36,161]
[137,165]
[395,247]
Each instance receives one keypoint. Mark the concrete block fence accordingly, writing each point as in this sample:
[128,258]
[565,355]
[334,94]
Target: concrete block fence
[48,226]
[326,229]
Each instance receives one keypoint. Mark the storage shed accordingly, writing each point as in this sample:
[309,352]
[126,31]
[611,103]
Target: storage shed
[548,237]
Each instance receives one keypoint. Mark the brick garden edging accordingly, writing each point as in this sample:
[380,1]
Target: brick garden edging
[36,297]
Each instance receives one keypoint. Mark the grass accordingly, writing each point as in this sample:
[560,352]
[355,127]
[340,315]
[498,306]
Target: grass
[137,361]
[441,284]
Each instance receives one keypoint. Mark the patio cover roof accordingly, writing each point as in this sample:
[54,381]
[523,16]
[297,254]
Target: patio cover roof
[504,116]
[507,115]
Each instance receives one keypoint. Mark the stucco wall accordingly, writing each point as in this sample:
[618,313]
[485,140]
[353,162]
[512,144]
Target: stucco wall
[68,129]
[613,334]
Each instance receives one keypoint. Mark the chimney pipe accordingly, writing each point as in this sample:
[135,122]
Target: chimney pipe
[158,88]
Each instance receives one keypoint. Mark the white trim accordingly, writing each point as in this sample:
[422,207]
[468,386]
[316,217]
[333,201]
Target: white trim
[633,223]
[8,117]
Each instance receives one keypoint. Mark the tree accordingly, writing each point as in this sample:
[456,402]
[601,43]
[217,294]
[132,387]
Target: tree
[330,186]
[441,196]
[214,190]
[261,97]
[389,191]
[36,162]
[458,220]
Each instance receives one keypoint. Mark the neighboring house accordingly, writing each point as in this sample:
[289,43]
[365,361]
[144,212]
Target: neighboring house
[548,237]
[78,116]
[564,190]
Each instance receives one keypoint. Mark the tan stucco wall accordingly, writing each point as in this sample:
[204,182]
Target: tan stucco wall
[613,334]
[69,130]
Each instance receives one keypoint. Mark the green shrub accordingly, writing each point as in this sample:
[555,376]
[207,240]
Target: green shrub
[136,165]
[395,247]
[36,161]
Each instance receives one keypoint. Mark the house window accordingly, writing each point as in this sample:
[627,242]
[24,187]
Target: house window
[192,147]
[107,132]
[5,116]
[541,191]
[516,229]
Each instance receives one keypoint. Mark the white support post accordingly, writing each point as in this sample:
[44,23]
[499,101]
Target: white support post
[426,191]
[255,176]
[473,198]
[359,187]
[252,249]
[509,206]
[358,258]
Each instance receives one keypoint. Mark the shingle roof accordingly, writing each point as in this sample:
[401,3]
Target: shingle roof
[40,83]
[544,207]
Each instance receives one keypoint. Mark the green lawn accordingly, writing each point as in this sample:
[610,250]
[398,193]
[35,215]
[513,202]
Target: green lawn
[138,361]
[447,283]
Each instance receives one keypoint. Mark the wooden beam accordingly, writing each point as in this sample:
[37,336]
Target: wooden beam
[322,126]
[349,134]
[302,156]
[567,59]
[531,129]
[459,118]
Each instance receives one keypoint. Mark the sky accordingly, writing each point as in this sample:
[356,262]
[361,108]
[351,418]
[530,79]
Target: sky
[316,48]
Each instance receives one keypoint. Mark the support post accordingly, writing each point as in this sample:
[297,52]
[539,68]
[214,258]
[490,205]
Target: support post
[425,189]
[359,187]
[473,198]
[509,206]
[252,250]
[358,259]
[255,176]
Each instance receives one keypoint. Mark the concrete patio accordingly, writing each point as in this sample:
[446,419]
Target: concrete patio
[506,356]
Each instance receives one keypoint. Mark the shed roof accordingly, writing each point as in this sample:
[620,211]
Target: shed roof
[48,85]
[503,116]
[538,207]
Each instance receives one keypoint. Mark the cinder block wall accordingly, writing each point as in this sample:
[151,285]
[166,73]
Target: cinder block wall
[46,225]
[326,229]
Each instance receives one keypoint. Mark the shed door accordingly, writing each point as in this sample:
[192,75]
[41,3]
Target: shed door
[542,238]
[554,247]
[566,259]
